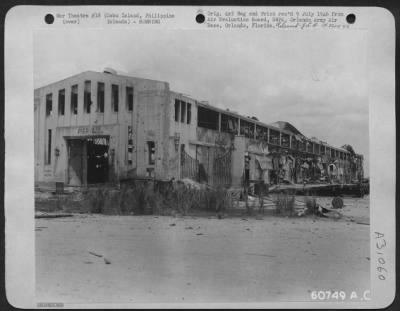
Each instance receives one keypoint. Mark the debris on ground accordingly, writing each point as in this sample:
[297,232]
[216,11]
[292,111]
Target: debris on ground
[337,202]
[106,261]
[52,215]
[94,254]
[192,184]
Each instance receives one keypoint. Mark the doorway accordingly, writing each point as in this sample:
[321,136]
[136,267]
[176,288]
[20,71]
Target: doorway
[97,160]
[88,160]
[76,163]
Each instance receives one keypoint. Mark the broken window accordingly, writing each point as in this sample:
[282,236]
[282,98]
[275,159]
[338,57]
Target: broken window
[262,133]
[274,137]
[61,102]
[100,97]
[246,128]
[183,111]
[294,143]
[130,145]
[151,148]
[207,118]
[48,160]
[114,97]
[285,140]
[87,97]
[177,105]
[49,104]
[259,133]
[74,99]
[301,146]
[315,148]
[229,124]
[189,113]
[129,98]
[309,146]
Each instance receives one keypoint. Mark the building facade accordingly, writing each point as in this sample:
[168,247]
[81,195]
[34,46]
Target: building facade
[100,127]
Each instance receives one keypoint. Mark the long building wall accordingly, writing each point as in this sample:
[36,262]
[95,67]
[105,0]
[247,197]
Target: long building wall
[151,137]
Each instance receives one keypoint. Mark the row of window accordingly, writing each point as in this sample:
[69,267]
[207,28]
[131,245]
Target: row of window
[87,99]
[209,119]
[183,111]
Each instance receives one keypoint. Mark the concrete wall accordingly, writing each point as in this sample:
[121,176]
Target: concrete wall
[152,119]
[180,133]
[150,105]
[238,160]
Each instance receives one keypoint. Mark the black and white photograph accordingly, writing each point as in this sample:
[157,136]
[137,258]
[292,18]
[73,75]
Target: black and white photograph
[202,165]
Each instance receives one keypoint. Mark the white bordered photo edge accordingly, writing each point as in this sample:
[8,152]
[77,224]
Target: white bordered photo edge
[158,79]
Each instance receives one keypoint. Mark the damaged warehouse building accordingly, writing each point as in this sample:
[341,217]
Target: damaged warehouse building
[101,127]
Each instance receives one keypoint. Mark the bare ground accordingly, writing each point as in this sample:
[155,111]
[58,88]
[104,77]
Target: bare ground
[201,259]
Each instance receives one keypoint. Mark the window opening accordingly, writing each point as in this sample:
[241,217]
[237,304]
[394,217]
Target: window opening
[100,97]
[129,98]
[49,104]
[74,99]
[189,113]
[177,110]
[183,111]
[229,124]
[151,152]
[207,118]
[114,97]
[61,102]
[246,128]
[87,97]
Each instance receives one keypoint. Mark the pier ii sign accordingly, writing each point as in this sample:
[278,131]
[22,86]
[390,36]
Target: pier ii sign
[90,130]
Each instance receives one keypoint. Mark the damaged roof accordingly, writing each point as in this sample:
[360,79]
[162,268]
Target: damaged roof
[283,125]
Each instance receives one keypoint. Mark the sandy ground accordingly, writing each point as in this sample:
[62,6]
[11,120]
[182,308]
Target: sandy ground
[201,259]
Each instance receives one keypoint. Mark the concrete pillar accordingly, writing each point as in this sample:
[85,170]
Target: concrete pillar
[84,163]
[219,121]
[238,160]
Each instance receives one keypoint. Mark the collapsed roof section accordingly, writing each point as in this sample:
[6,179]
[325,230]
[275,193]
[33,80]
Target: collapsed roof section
[283,125]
